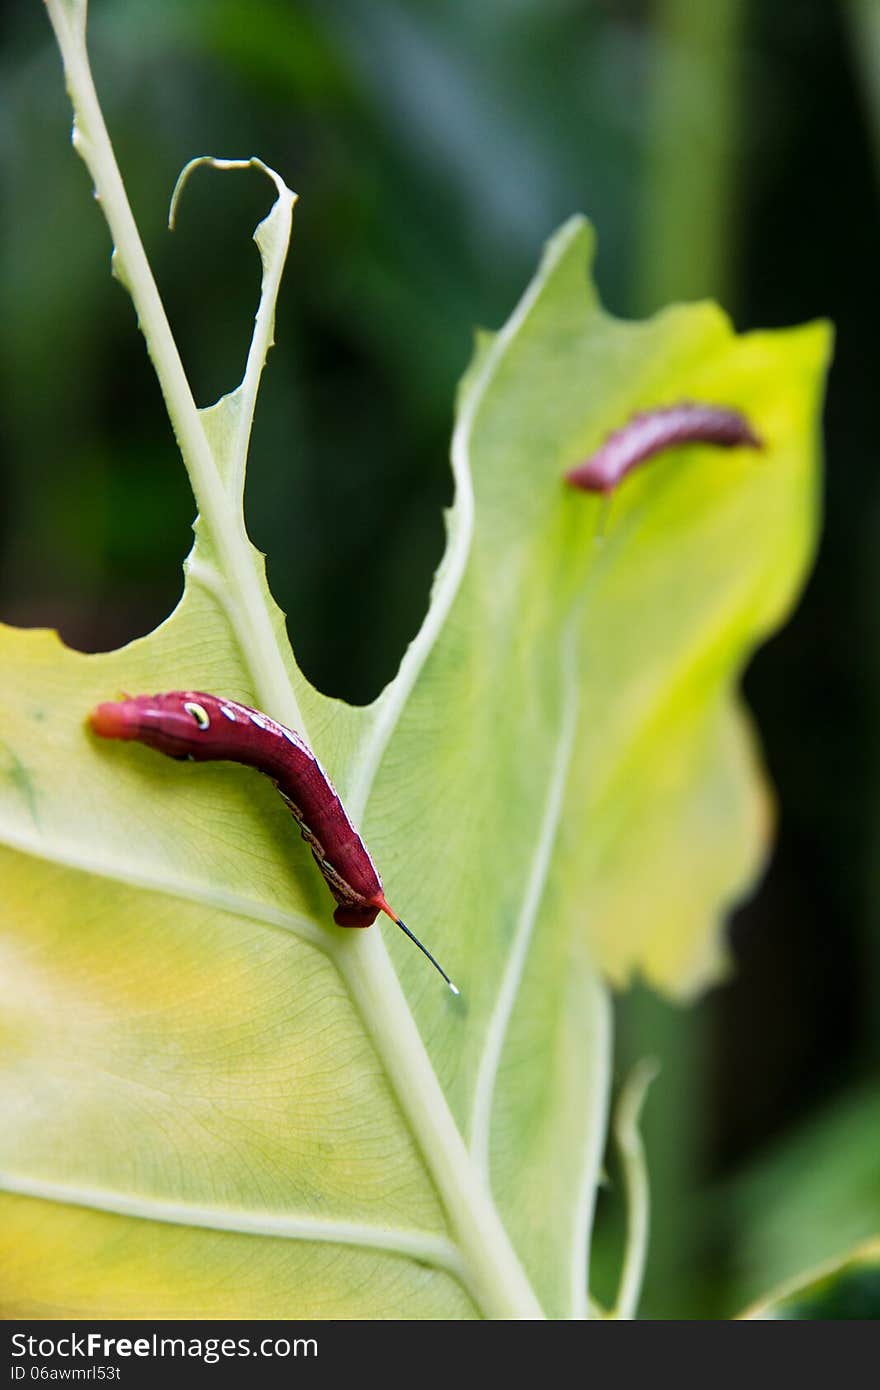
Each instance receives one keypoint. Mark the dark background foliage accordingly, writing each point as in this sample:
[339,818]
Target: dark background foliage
[728,149]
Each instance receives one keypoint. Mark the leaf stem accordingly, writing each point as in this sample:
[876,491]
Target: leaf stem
[635,1175]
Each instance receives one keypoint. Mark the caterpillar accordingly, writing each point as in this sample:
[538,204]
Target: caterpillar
[652,431]
[207,728]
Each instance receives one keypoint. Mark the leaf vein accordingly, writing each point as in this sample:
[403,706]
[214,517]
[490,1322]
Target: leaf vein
[73,857]
[484,1091]
[412,1244]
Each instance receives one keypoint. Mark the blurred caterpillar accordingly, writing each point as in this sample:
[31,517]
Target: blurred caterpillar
[651,431]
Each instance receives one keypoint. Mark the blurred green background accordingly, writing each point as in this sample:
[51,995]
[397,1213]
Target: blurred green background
[725,148]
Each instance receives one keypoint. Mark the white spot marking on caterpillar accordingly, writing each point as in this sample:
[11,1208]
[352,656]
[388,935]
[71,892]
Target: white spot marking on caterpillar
[199,714]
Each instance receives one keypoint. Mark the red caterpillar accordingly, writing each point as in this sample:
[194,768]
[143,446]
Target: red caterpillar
[206,728]
[651,431]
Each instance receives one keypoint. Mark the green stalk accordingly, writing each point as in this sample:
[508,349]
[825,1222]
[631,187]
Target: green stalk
[687,250]
[635,1176]
[688,222]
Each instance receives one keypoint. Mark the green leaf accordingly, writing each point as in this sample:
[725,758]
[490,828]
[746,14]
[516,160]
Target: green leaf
[847,1288]
[218,1103]
[813,1193]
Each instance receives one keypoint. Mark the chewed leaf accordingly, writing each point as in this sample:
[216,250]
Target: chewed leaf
[844,1289]
[203,1073]
[228,423]
[655,804]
